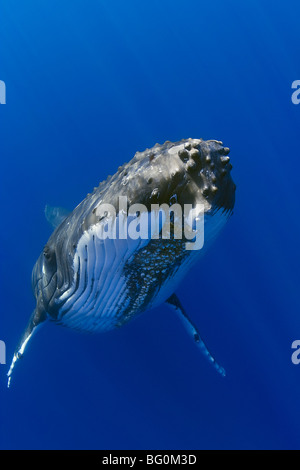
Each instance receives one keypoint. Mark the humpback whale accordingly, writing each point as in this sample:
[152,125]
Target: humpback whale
[94,283]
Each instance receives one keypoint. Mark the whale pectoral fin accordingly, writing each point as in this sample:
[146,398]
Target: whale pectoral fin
[35,320]
[56,215]
[175,303]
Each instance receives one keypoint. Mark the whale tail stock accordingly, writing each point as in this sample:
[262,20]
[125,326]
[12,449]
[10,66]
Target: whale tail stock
[35,320]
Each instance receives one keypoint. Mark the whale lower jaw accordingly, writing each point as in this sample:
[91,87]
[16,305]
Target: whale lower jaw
[115,280]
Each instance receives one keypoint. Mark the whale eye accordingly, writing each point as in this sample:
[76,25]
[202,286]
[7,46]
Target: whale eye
[49,257]
[47,253]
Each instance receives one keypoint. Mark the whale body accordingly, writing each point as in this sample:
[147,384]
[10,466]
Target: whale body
[91,283]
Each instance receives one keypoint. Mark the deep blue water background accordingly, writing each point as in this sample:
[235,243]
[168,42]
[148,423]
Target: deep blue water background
[88,84]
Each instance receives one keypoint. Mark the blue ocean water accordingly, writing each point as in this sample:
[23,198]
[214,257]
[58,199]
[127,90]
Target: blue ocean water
[87,85]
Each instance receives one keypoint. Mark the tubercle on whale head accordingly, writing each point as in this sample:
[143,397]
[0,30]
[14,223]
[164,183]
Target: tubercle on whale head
[193,168]
[208,164]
